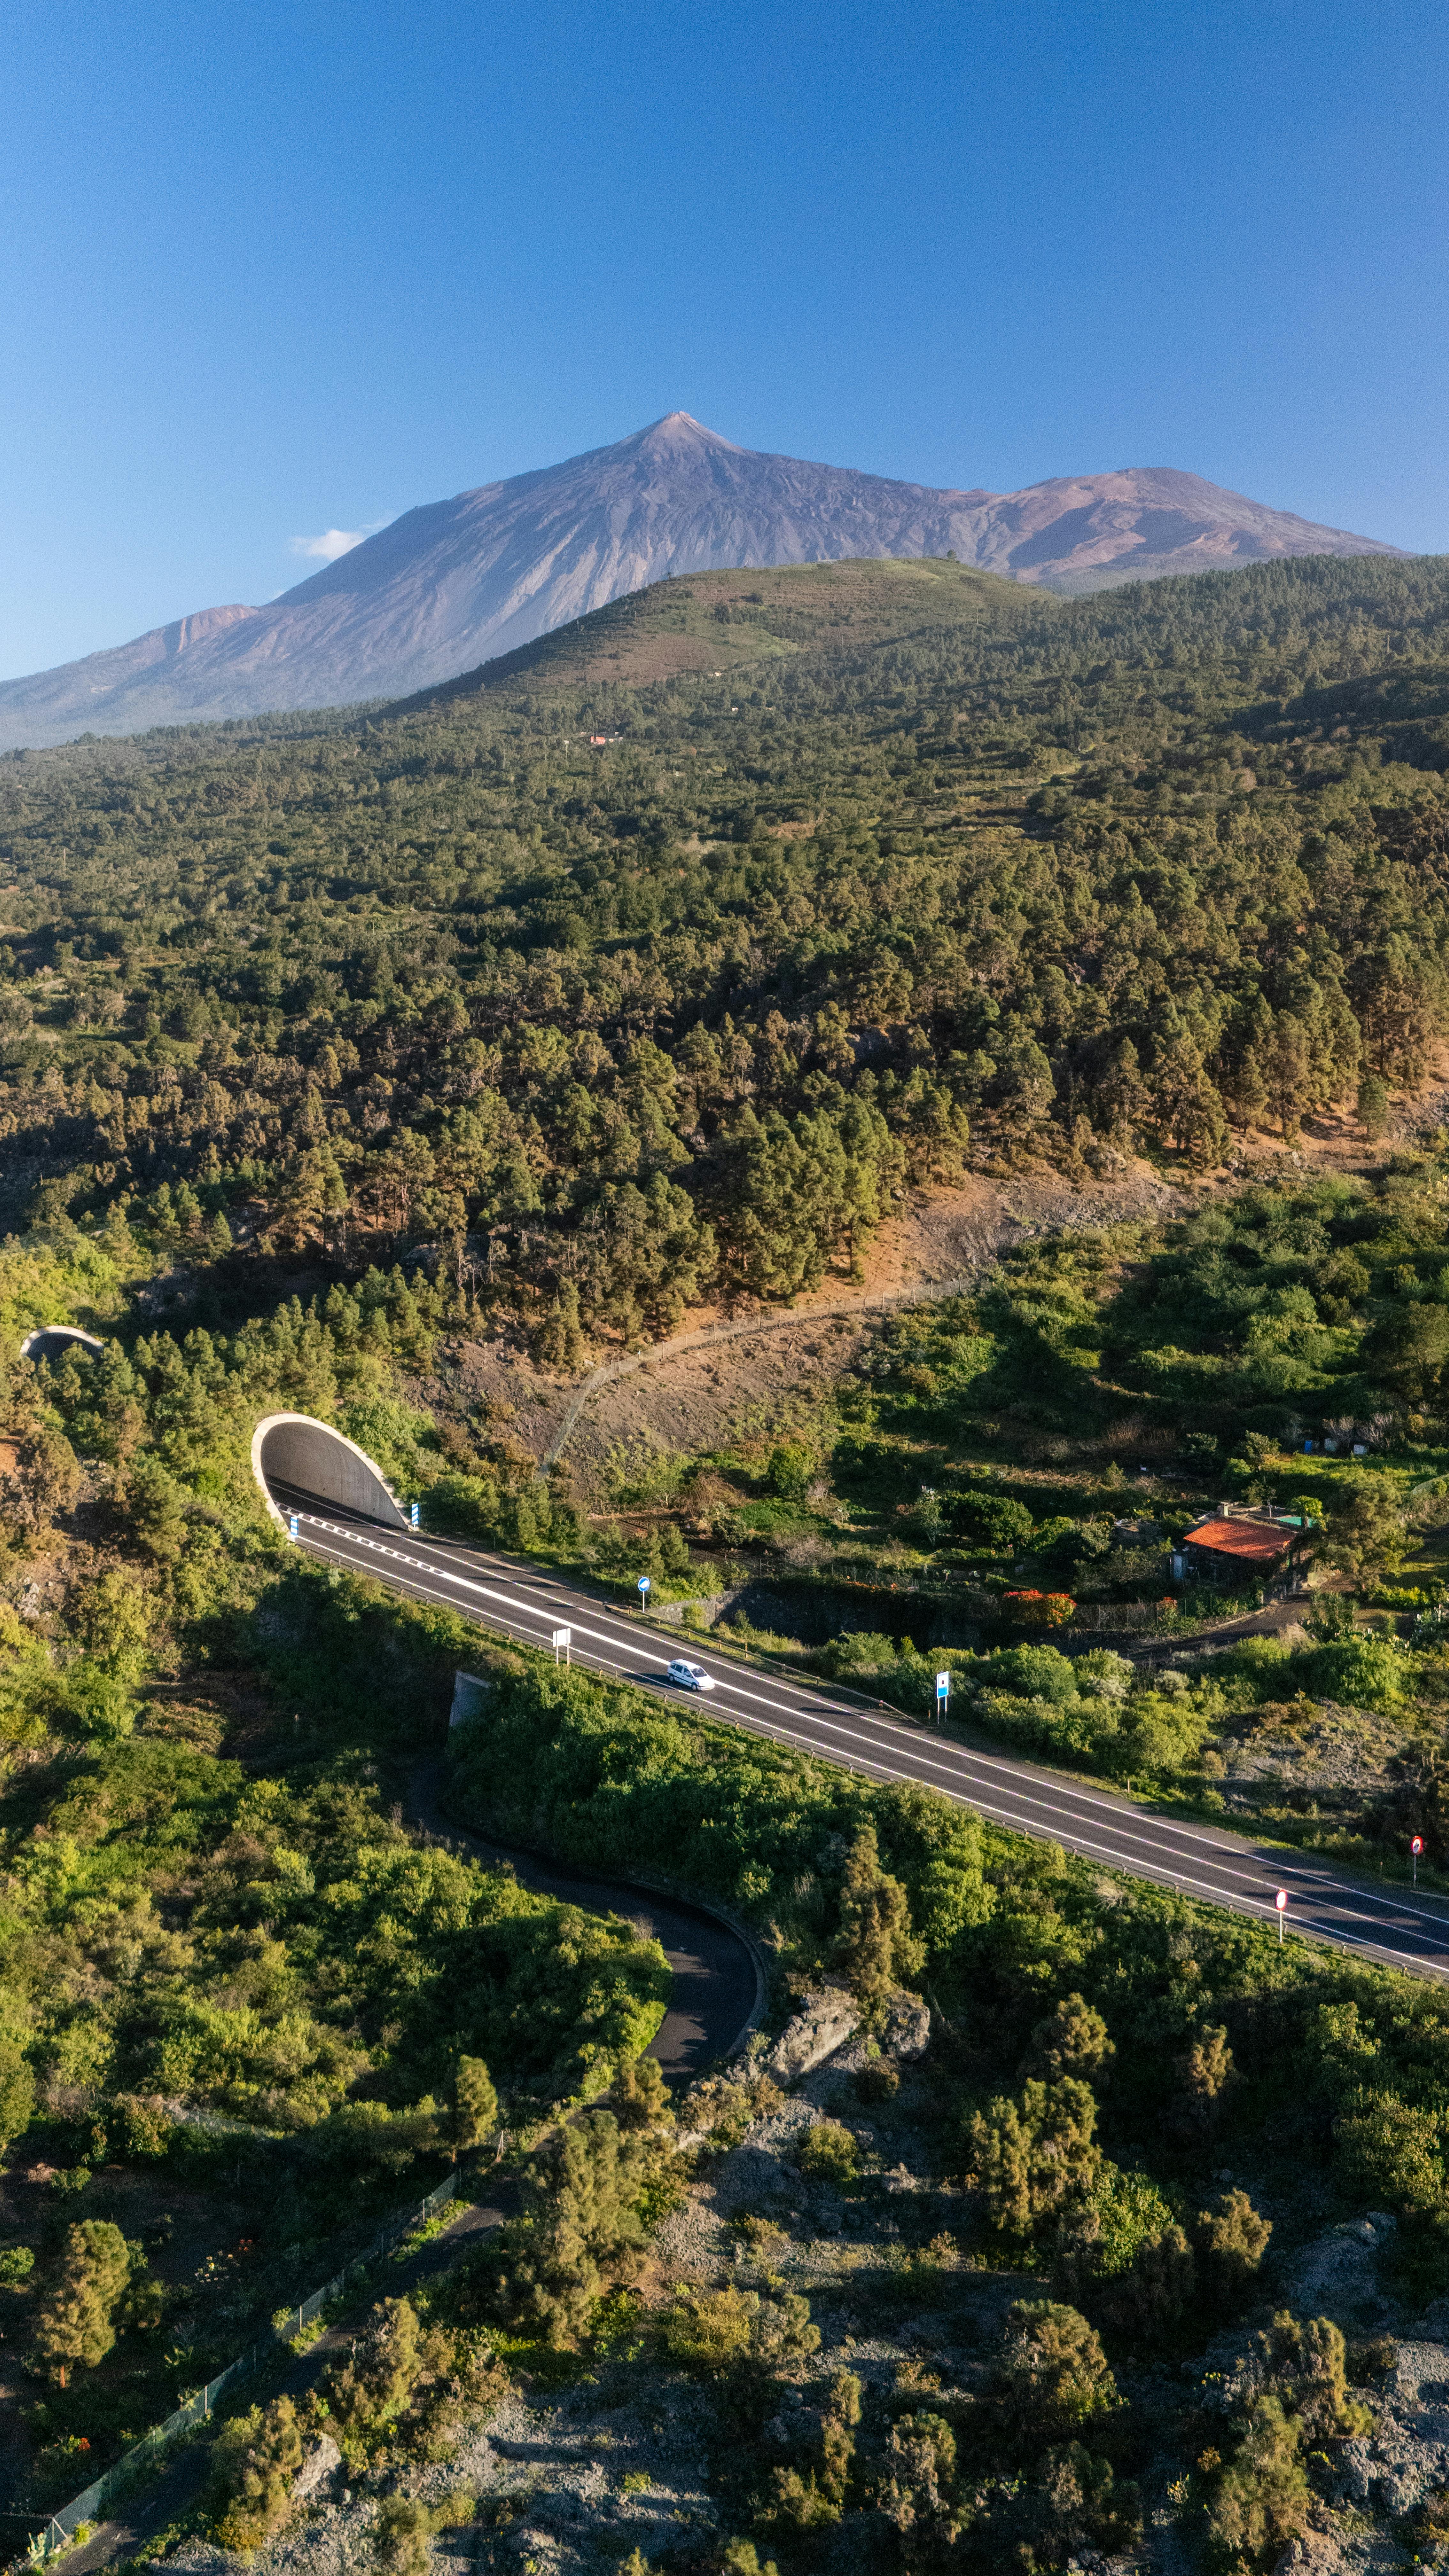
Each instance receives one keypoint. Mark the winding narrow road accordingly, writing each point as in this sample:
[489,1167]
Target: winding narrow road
[717,1991]
[1400,1928]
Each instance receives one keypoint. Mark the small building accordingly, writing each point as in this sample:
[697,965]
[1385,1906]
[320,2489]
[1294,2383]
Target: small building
[1244,1541]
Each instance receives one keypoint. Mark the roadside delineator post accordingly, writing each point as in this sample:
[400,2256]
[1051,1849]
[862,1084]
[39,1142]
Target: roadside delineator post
[1281,1901]
[415,1515]
[291,1525]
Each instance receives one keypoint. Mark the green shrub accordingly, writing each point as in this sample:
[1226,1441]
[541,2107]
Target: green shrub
[1390,2152]
[814,2499]
[406,2529]
[1029,1672]
[596,1776]
[1081,2504]
[1364,1672]
[1052,2380]
[1072,2040]
[712,2331]
[254,2461]
[1151,2298]
[994,1522]
[1029,2158]
[1260,2501]
[878,2081]
[1231,2240]
[827,2152]
[475,2107]
[919,2495]
[792,1464]
[369,2389]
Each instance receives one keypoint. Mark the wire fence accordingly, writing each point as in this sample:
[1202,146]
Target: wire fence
[62,2526]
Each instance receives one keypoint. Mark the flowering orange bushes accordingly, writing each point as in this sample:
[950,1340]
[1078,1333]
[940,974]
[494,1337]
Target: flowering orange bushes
[1039,1609]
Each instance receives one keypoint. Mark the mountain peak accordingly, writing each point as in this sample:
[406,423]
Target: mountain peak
[676,431]
[454,583]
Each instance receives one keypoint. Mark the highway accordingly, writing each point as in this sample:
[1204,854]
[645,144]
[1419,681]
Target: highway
[1392,1925]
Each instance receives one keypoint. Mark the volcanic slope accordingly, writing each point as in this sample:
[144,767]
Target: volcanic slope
[445,585]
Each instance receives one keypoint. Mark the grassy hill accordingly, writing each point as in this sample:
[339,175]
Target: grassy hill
[715,624]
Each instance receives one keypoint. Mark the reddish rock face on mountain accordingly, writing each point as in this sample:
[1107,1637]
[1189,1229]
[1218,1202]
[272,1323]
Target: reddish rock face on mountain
[455,582]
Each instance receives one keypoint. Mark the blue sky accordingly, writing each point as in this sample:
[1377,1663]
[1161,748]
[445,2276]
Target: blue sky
[278,269]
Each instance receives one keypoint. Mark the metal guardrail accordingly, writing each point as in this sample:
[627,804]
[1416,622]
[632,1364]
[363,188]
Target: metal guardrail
[61,2527]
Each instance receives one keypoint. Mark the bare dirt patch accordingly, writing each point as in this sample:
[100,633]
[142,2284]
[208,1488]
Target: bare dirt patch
[724,1373]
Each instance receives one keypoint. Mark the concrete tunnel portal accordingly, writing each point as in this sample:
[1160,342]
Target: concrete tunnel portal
[55,1342]
[300,1463]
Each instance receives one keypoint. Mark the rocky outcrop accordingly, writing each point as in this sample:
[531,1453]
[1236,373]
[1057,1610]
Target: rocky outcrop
[814,2033]
[315,2471]
[906,2030]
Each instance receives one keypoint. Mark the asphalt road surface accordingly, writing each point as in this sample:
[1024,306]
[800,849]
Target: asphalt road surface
[716,1995]
[1403,1929]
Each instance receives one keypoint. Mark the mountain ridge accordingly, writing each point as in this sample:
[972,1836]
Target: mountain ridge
[452,583]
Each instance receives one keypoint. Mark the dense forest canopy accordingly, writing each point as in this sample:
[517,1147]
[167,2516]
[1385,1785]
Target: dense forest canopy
[622,994]
[651,965]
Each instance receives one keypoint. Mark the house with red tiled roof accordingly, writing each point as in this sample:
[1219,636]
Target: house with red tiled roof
[1242,1542]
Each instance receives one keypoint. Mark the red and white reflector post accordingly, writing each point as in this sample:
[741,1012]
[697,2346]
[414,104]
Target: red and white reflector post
[1281,1901]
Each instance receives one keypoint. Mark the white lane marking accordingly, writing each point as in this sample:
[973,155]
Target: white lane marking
[967,1762]
[814,1711]
[1142,1866]
[950,1766]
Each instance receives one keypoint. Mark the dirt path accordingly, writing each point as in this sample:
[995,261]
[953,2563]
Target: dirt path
[710,1336]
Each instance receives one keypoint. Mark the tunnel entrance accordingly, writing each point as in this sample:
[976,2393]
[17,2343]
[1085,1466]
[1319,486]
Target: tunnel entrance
[304,1465]
[54,1341]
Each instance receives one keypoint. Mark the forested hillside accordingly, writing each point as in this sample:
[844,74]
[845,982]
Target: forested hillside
[329,1049]
[936,871]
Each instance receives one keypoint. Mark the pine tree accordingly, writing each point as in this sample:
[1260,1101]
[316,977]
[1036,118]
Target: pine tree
[1288,1073]
[1232,2240]
[77,2323]
[475,2107]
[582,2229]
[1073,2040]
[877,1948]
[1030,2157]
[17,2092]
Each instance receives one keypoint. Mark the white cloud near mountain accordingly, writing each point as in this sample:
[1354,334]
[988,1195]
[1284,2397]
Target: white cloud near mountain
[332,543]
